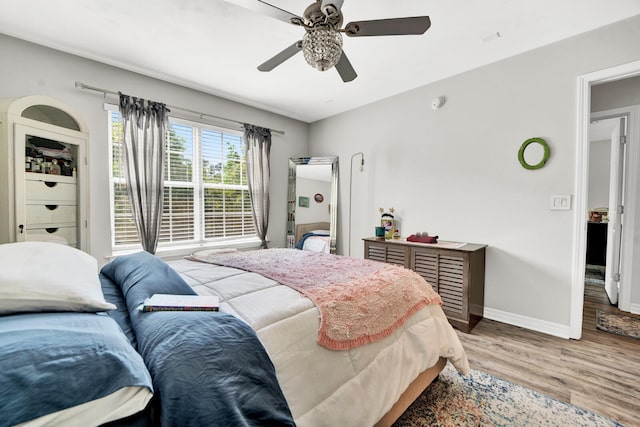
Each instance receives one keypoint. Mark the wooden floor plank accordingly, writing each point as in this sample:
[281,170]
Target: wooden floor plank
[600,372]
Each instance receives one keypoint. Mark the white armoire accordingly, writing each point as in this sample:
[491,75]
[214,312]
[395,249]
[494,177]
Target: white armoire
[43,172]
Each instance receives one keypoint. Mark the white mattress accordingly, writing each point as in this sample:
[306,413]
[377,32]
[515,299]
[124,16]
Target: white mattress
[317,244]
[325,387]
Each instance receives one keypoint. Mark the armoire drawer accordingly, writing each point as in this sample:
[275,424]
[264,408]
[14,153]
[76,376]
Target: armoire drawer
[51,215]
[69,234]
[50,191]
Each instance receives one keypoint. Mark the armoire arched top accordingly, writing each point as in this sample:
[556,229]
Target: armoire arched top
[46,110]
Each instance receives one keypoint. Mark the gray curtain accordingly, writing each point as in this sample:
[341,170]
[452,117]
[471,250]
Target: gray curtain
[257,152]
[144,126]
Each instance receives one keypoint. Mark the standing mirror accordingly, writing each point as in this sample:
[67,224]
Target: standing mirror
[312,211]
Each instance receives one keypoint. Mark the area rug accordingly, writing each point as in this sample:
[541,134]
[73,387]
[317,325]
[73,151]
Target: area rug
[484,400]
[594,276]
[619,324]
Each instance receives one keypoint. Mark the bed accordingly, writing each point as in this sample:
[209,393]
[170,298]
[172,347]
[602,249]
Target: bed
[367,385]
[315,236]
[261,359]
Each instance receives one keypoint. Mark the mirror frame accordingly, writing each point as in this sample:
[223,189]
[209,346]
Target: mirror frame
[333,201]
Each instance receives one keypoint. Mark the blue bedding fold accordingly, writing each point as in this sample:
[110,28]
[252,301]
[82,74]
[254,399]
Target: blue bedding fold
[208,368]
[113,294]
[305,236]
[54,361]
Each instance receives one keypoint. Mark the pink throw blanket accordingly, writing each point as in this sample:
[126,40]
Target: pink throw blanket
[360,301]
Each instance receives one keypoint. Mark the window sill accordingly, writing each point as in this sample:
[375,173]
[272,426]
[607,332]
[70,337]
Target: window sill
[174,252]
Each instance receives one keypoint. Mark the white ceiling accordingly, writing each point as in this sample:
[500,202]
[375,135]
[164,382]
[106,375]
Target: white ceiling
[215,46]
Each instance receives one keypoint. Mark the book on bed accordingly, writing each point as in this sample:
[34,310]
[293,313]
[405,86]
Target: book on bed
[170,302]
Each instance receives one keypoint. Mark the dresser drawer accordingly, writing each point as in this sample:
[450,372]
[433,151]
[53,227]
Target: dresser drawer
[69,234]
[51,215]
[387,253]
[50,191]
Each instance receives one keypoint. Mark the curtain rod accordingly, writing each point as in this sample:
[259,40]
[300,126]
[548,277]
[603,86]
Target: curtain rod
[81,85]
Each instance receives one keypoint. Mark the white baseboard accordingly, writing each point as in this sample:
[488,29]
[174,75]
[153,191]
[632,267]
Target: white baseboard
[555,329]
[634,308]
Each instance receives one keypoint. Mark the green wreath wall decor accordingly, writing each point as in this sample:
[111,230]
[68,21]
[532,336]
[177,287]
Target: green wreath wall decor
[545,156]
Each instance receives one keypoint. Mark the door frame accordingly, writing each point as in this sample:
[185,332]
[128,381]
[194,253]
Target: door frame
[585,82]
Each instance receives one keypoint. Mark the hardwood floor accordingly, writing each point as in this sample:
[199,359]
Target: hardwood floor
[600,372]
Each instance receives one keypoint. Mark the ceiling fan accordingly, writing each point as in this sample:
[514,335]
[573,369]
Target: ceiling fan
[322,41]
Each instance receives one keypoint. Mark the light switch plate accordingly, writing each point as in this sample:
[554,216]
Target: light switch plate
[560,202]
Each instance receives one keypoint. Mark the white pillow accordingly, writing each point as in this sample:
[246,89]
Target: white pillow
[43,276]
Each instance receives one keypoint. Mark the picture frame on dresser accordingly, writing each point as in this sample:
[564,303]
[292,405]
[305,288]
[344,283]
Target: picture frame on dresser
[389,227]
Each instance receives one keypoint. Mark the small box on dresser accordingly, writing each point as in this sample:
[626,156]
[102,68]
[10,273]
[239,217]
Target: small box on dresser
[456,273]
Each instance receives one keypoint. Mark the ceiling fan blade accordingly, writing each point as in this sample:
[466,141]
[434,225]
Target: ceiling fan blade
[281,57]
[266,9]
[388,27]
[345,69]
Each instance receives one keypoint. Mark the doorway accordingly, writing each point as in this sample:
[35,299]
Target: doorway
[606,191]
[585,84]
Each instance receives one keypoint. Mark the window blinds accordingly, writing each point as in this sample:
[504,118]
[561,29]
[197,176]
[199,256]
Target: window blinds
[206,195]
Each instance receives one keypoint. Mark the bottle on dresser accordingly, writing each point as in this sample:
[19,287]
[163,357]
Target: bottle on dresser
[36,165]
[55,168]
[66,169]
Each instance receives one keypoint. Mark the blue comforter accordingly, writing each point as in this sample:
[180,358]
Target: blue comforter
[208,368]
[54,361]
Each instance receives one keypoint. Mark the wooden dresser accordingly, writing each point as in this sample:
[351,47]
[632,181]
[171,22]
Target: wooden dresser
[456,273]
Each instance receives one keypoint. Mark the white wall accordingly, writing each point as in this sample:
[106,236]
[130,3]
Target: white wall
[28,69]
[454,172]
[317,211]
[621,93]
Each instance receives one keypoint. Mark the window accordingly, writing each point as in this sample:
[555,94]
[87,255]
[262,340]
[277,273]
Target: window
[206,196]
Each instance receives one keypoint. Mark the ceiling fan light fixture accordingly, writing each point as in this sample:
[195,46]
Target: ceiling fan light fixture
[322,41]
[322,47]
